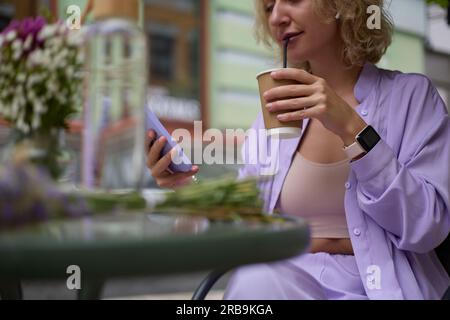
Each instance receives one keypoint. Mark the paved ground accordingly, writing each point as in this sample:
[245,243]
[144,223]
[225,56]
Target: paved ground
[178,287]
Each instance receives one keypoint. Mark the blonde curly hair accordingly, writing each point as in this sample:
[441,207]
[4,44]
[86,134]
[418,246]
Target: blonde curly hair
[361,44]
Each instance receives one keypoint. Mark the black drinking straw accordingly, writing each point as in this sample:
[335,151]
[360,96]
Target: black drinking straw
[286,43]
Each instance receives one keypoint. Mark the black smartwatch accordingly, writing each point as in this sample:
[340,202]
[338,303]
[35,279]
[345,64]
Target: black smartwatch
[366,140]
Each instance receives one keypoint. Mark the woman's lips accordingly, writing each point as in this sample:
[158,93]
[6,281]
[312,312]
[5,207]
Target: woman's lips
[295,37]
[292,37]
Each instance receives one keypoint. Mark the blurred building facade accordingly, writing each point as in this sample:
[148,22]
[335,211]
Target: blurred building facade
[204,55]
[204,58]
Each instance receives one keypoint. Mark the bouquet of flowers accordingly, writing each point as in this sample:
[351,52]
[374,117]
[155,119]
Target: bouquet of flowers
[28,197]
[40,78]
[40,84]
[23,204]
[223,199]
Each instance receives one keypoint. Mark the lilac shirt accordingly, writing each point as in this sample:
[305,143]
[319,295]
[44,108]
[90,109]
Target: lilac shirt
[397,196]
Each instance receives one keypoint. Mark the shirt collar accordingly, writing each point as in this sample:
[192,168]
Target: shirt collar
[367,80]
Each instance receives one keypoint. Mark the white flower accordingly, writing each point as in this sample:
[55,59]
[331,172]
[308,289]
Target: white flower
[4,109]
[40,57]
[14,108]
[21,77]
[17,44]
[56,43]
[20,123]
[17,55]
[28,42]
[70,71]
[75,38]
[59,60]
[18,92]
[51,86]
[24,127]
[61,99]
[22,101]
[36,122]
[4,94]
[11,35]
[35,57]
[17,49]
[47,32]
[80,57]
[62,29]
[38,106]
[32,79]
[30,95]
[7,69]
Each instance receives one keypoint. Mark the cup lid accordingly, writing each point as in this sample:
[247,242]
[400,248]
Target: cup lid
[267,71]
[284,132]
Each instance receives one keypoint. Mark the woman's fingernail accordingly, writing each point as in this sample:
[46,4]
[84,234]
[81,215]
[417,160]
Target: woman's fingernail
[269,105]
[281,117]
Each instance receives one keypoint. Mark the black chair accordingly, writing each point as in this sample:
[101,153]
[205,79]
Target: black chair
[443,253]
[207,284]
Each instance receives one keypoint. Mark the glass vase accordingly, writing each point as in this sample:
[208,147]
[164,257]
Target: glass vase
[43,149]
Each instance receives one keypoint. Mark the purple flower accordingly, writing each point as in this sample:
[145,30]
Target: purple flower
[7,214]
[38,212]
[20,205]
[26,27]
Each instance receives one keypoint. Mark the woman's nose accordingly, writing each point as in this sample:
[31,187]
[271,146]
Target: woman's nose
[279,16]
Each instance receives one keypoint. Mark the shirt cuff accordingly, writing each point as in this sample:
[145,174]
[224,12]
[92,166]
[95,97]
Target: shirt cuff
[373,162]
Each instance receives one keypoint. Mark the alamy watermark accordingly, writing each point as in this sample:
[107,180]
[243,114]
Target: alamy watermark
[73,21]
[210,148]
[373,277]
[74,279]
[374,21]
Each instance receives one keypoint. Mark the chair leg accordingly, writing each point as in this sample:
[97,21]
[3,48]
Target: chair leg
[207,284]
[11,290]
[91,290]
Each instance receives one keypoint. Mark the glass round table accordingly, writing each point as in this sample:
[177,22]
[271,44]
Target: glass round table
[142,244]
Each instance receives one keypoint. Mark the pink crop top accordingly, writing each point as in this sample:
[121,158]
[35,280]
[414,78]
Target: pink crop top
[315,192]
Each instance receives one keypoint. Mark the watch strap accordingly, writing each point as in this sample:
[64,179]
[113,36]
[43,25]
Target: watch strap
[354,150]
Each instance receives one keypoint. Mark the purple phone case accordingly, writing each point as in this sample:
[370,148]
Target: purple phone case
[182,162]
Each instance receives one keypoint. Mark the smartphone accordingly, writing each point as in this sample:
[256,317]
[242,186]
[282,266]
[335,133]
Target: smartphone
[180,162]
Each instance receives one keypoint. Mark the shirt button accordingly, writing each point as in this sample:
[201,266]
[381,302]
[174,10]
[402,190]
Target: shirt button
[348,185]
[357,232]
[364,113]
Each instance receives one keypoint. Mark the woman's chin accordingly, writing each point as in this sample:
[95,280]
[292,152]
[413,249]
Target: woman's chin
[297,61]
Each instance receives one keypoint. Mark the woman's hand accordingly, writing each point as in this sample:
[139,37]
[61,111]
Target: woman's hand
[313,98]
[160,166]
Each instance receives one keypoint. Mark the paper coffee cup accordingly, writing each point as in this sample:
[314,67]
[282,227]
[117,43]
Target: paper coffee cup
[274,127]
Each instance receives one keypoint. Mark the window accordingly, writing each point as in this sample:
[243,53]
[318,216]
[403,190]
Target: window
[7,12]
[162,62]
[173,30]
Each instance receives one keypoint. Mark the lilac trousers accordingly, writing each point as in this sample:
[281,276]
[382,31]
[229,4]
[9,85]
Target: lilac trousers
[318,276]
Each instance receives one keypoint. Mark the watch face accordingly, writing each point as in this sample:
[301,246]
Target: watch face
[368,138]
